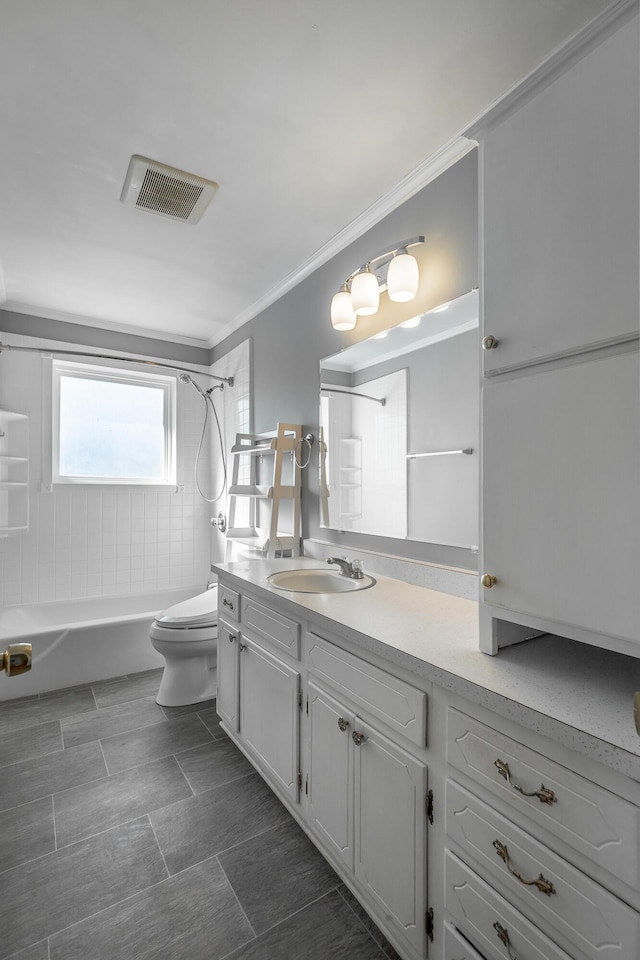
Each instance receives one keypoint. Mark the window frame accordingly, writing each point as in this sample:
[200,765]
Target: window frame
[115,374]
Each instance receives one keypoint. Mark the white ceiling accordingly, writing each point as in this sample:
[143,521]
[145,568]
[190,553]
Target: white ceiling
[306,112]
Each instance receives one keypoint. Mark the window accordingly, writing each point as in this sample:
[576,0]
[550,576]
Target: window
[112,425]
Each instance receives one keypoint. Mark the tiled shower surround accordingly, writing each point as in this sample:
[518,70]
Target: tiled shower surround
[104,540]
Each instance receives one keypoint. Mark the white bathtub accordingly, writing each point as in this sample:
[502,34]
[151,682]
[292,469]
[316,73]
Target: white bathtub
[95,638]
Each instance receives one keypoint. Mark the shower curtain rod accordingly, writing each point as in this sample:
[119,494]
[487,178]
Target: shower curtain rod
[352,393]
[109,356]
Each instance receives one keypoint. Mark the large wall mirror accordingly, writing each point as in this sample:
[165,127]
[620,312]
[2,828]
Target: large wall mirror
[399,425]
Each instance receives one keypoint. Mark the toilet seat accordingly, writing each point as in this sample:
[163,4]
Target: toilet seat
[196,612]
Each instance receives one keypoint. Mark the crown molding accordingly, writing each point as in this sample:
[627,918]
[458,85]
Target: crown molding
[428,170]
[556,63]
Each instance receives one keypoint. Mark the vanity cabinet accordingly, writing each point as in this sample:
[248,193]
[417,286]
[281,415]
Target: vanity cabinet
[560,445]
[367,803]
[540,859]
[561,511]
[259,691]
[560,210]
[342,742]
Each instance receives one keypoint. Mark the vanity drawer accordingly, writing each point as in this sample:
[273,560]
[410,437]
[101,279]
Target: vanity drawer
[457,947]
[400,706]
[599,825]
[544,885]
[493,925]
[228,602]
[282,632]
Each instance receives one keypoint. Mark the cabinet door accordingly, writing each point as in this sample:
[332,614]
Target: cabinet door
[331,772]
[560,185]
[270,713]
[561,496]
[390,840]
[227,701]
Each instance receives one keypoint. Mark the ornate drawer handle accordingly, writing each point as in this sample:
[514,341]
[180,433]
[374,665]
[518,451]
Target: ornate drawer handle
[358,738]
[342,723]
[543,885]
[503,935]
[228,603]
[232,637]
[242,646]
[543,795]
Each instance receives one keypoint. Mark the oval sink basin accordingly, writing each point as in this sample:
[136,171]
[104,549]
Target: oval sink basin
[317,581]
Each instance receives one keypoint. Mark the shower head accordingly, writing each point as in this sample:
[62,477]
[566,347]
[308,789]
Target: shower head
[185,378]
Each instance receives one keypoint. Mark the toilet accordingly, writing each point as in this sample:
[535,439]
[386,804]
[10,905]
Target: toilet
[186,635]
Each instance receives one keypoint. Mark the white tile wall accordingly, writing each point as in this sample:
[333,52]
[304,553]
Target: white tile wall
[99,541]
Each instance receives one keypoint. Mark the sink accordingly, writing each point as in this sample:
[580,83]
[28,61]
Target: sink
[317,581]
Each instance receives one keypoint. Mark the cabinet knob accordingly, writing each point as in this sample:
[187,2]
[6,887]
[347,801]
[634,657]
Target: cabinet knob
[489,342]
[342,723]
[232,637]
[488,580]
[242,646]
[358,738]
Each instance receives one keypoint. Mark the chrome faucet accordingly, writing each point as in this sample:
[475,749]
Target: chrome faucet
[352,570]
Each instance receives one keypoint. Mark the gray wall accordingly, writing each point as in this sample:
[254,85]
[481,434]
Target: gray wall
[292,335]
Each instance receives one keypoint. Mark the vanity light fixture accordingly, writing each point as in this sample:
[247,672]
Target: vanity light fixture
[395,270]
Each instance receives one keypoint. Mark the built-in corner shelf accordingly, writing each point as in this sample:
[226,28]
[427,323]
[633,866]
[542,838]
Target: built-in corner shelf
[14,473]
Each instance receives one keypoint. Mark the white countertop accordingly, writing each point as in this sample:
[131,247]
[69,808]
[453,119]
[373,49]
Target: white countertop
[576,694]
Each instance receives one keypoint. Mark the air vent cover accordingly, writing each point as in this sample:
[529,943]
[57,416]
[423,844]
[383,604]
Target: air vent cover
[164,190]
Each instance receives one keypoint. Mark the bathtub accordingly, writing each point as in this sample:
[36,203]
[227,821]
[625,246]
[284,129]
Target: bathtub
[81,641]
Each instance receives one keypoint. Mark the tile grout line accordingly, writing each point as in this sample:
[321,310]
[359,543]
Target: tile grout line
[53,816]
[155,837]
[243,911]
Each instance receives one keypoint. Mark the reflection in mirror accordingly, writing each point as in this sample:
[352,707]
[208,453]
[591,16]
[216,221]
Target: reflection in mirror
[399,430]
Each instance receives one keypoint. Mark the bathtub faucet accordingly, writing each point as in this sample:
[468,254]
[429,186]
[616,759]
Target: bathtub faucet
[16,659]
[352,570]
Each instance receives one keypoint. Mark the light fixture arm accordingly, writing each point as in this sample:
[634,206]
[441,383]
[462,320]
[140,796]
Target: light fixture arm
[385,257]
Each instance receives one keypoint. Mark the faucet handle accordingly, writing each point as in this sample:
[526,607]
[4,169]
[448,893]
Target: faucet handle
[356,566]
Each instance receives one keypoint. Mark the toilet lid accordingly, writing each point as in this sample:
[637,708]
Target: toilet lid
[198,611]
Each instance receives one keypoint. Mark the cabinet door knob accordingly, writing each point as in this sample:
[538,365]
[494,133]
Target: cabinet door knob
[489,342]
[232,637]
[488,580]
[358,738]
[342,723]
[242,646]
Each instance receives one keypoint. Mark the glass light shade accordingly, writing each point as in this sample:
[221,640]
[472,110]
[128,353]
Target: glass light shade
[342,315]
[365,294]
[402,278]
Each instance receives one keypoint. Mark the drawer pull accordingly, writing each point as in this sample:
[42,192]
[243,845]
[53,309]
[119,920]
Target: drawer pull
[342,723]
[242,646]
[228,603]
[503,935]
[543,795]
[544,886]
[232,637]
[358,738]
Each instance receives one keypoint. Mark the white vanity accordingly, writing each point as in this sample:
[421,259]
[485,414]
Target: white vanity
[478,807]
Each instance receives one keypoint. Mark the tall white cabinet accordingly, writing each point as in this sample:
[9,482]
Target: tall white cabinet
[560,173]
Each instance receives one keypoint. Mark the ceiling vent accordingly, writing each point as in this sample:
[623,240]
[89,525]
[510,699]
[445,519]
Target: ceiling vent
[155,187]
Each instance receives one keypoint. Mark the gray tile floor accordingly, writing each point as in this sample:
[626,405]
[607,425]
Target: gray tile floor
[133,832]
